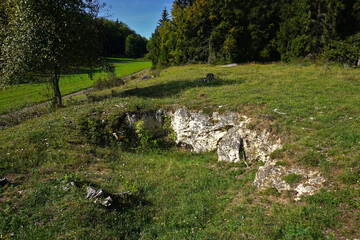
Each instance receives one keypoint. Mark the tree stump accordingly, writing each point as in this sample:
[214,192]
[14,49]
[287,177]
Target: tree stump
[209,77]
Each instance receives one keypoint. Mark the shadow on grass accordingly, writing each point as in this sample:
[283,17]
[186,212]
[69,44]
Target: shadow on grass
[174,88]
[123,60]
[83,71]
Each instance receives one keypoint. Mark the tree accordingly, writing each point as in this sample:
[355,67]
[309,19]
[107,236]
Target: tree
[48,38]
[4,8]
[164,18]
[135,46]
[183,3]
[114,36]
[154,45]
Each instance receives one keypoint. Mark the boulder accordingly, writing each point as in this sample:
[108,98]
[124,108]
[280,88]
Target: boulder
[200,131]
[228,133]
[145,77]
[271,175]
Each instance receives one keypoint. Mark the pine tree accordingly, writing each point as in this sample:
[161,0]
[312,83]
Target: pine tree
[183,3]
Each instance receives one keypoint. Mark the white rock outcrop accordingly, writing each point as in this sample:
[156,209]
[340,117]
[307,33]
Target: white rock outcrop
[228,133]
[235,141]
[271,175]
[199,131]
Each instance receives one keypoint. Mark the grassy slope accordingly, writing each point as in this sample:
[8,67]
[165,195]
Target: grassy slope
[19,96]
[184,195]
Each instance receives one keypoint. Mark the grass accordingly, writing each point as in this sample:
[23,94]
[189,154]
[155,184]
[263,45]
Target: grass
[182,195]
[292,178]
[20,96]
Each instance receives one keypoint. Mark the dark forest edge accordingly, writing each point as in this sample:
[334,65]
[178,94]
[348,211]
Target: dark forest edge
[215,32]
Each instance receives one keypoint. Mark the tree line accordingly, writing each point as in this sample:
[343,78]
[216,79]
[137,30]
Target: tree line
[121,41]
[212,31]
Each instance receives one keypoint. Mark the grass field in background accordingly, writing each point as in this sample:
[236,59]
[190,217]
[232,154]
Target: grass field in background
[20,96]
[183,195]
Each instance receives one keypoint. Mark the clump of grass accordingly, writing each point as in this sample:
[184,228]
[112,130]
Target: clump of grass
[350,176]
[292,178]
[281,163]
[311,158]
[156,73]
[108,82]
[278,153]
[270,191]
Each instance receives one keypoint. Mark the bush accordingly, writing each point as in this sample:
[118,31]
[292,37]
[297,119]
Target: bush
[109,82]
[344,51]
[101,129]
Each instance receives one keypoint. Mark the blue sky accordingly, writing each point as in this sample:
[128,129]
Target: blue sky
[140,15]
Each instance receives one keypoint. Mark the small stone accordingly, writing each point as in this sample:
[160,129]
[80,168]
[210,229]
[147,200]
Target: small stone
[209,77]
[3,181]
[229,65]
[145,77]
[107,202]
[93,194]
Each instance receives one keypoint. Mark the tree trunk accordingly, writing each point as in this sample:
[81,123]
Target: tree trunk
[56,89]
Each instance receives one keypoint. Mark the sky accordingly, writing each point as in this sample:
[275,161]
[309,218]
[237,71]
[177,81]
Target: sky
[140,15]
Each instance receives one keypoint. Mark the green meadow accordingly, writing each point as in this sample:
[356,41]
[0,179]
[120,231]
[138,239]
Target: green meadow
[23,95]
[50,160]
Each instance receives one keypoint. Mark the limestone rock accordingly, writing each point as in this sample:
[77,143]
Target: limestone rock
[228,133]
[271,175]
[145,77]
[254,146]
[229,65]
[231,146]
[98,196]
[200,131]
[91,193]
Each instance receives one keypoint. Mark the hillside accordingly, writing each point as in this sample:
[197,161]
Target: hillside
[162,191]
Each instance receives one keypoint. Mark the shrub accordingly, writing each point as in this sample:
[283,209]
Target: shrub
[101,129]
[143,134]
[344,51]
[108,82]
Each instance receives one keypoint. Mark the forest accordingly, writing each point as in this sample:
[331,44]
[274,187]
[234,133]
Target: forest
[210,31]
[120,40]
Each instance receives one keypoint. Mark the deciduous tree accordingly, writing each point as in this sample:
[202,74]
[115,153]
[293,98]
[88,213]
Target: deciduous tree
[48,38]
